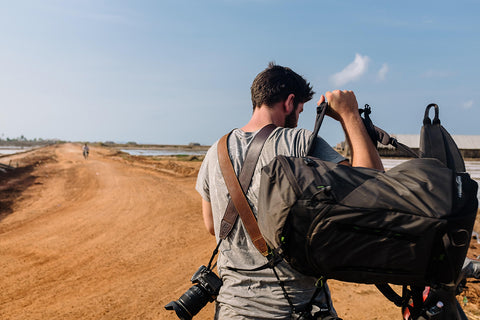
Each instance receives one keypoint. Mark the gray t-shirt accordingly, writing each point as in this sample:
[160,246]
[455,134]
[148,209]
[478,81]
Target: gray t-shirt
[255,294]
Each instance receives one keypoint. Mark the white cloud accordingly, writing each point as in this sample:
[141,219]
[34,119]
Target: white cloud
[467,104]
[382,73]
[351,72]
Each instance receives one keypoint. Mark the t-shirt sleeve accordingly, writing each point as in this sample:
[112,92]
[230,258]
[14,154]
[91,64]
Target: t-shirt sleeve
[323,151]
[202,186]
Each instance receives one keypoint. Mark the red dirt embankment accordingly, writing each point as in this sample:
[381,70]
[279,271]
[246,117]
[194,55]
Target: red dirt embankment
[116,237]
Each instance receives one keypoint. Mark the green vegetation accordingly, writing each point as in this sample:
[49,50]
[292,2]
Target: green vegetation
[22,141]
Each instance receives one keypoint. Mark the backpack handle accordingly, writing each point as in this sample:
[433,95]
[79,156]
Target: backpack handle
[375,133]
[321,111]
[426,118]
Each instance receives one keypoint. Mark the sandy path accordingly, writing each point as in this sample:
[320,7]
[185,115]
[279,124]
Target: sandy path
[106,238]
[95,240]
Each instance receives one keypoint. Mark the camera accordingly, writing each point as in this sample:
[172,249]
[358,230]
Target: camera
[206,288]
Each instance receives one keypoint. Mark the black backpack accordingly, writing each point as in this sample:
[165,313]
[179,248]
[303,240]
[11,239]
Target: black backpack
[409,226]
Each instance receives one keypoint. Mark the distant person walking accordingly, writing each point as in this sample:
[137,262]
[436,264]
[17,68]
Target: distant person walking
[85,151]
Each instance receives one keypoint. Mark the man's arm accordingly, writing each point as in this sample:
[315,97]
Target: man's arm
[208,216]
[344,108]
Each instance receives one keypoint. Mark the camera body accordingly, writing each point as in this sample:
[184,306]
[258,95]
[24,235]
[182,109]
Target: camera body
[206,288]
[208,280]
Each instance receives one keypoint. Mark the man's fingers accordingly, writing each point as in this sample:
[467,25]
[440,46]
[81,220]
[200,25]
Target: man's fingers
[322,99]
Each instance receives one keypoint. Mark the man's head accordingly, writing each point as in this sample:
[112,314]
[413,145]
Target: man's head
[275,84]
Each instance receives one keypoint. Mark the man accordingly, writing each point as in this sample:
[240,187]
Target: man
[86,150]
[278,96]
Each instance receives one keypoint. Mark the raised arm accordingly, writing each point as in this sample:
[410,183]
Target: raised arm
[343,107]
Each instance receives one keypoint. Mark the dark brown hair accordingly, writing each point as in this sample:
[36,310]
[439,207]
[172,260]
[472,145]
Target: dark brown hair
[275,83]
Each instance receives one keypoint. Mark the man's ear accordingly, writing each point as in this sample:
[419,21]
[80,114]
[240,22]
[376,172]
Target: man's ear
[289,103]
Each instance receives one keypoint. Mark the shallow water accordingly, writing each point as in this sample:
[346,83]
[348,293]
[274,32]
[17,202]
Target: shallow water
[13,150]
[157,152]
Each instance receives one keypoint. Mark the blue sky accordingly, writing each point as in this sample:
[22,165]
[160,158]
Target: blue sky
[175,72]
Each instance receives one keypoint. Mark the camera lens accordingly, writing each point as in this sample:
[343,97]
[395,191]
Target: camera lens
[190,303]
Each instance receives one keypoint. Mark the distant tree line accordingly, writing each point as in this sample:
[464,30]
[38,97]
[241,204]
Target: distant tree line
[22,141]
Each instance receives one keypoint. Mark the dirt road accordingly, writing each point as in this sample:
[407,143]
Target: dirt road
[112,238]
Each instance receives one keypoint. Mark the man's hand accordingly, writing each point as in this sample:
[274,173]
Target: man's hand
[342,104]
[343,107]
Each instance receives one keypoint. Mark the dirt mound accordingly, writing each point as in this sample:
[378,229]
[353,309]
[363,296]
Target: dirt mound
[16,180]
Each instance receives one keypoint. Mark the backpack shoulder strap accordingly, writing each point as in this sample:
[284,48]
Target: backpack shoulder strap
[238,187]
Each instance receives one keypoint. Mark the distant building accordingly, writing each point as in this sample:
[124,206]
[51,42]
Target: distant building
[469,145]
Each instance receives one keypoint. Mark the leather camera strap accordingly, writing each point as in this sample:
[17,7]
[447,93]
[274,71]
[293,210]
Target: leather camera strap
[238,187]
